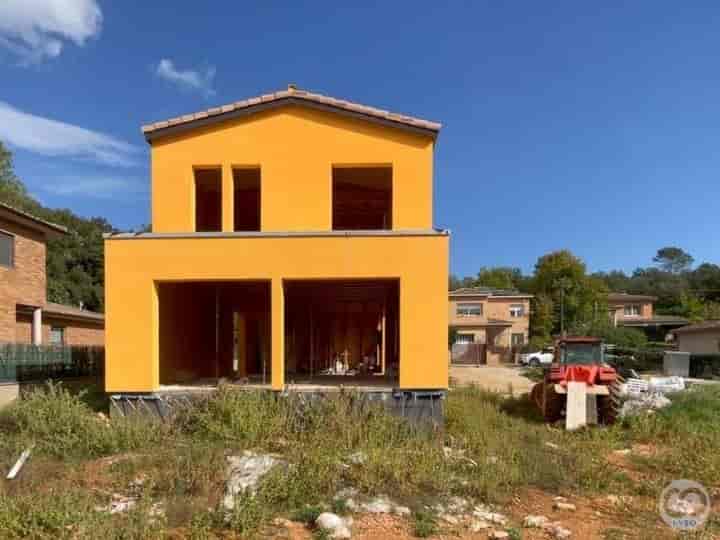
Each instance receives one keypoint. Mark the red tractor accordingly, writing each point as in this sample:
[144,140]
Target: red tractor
[577,359]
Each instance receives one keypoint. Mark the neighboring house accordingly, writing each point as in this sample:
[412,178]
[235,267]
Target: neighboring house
[637,311]
[292,241]
[700,338]
[25,315]
[496,318]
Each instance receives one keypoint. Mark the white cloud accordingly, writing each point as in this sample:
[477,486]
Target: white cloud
[53,138]
[38,29]
[188,78]
[96,187]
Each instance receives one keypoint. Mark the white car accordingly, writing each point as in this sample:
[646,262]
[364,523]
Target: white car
[539,358]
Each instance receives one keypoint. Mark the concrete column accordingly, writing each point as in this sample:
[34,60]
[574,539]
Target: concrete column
[37,327]
[277,333]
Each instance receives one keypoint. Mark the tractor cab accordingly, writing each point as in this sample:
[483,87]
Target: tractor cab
[585,351]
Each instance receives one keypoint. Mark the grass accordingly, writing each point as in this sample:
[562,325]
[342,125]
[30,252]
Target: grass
[424,523]
[501,446]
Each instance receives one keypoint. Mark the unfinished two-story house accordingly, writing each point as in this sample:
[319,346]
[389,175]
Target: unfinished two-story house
[292,242]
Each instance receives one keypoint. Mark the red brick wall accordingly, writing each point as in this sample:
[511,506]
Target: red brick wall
[24,283]
[76,333]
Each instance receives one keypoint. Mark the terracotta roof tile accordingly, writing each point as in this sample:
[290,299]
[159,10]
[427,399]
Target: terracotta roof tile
[302,95]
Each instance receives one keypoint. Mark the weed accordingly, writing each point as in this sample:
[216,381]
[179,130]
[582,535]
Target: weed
[321,534]
[61,424]
[307,514]
[424,523]
[514,534]
[339,507]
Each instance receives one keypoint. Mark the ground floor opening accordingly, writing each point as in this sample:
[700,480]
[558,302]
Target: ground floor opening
[342,332]
[214,329]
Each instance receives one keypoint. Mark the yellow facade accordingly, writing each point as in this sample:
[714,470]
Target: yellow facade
[296,149]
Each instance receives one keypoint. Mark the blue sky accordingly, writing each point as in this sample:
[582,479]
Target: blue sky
[590,127]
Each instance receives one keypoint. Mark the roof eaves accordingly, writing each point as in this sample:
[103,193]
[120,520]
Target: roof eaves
[31,221]
[319,101]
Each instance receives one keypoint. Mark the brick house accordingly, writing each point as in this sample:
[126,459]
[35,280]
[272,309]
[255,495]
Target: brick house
[25,314]
[499,319]
[637,311]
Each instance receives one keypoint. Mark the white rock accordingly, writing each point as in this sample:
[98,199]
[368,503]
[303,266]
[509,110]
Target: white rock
[379,505]
[479,525]
[118,504]
[447,518]
[498,535]
[358,458]
[553,446]
[333,524]
[485,514]
[244,473]
[558,531]
[401,511]
[560,505]
[535,521]
[457,504]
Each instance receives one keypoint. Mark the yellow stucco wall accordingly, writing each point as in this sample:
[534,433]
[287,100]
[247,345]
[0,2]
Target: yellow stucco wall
[295,148]
[133,266]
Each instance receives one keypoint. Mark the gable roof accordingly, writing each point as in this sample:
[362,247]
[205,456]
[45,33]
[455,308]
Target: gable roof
[291,96]
[20,217]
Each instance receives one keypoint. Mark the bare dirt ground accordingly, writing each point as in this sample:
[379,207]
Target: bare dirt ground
[494,378]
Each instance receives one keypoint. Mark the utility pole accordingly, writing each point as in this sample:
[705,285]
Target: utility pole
[562,310]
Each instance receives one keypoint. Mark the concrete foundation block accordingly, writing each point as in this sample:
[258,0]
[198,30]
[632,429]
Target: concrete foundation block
[9,392]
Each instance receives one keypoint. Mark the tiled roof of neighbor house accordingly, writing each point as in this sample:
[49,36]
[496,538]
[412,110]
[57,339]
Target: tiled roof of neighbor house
[292,95]
[62,310]
[625,297]
[28,220]
[488,291]
[655,320]
[699,327]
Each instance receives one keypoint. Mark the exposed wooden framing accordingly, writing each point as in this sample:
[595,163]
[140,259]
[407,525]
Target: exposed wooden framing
[312,342]
[217,331]
[383,338]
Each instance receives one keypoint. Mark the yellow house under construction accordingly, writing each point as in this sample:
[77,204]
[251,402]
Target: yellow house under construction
[292,242]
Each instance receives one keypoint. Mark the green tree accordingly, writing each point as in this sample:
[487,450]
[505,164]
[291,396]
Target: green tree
[454,282]
[576,298]
[541,319]
[499,277]
[673,259]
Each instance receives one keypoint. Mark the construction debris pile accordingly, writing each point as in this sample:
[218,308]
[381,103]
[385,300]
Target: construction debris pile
[640,396]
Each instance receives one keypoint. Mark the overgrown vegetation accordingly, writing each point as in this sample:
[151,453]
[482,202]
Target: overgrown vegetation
[502,448]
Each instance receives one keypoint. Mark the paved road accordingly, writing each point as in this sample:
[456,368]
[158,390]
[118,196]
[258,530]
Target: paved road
[496,378]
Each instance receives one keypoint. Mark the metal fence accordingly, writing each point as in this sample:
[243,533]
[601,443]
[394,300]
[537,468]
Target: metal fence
[26,363]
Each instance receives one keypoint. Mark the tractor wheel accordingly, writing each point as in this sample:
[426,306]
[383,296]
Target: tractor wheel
[609,406]
[554,405]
